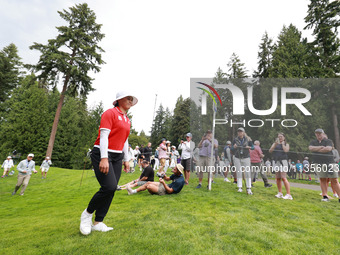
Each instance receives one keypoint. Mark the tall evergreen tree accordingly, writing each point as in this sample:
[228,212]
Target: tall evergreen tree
[159,129]
[264,57]
[236,68]
[26,125]
[290,55]
[323,18]
[10,73]
[180,124]
[72,54]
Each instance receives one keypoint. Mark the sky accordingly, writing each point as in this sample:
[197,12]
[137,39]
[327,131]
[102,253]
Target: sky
[154,47]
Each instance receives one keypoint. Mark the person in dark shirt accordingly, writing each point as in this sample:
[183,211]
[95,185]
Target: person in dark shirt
[323,163]
[147,152]
[146,176]
[161,188]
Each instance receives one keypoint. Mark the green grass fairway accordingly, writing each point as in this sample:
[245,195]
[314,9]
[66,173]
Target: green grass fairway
[46,219]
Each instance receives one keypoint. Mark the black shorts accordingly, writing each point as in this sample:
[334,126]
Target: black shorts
[186,163]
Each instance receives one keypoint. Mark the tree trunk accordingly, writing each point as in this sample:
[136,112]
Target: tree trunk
[56,119]
[336,128]
[57,114]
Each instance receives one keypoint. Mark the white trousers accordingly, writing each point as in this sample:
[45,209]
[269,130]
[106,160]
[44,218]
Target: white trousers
[243,166]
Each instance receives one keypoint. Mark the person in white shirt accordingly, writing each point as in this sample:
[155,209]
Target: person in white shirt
[174,156]
[7,165]
[25,168]
[132,159]
[187,148]
[45,166]
[136,153]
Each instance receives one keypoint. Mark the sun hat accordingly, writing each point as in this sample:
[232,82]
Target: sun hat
[180,168]
[9,157]
[189,135]
[173,146]
[168,142]
[228,142]
[31,155]
[122,94]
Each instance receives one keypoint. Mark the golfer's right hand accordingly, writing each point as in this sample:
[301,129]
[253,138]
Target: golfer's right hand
[104,165]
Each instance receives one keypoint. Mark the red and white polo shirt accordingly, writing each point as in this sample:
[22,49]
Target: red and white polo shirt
[119,125]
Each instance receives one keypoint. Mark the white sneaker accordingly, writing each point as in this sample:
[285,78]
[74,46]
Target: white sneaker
[335,195]
[85,223]
[279,195]
[101,227]
[325,200]
[287,196]
[129,190]
[239,190]
[226,180]
[249,192]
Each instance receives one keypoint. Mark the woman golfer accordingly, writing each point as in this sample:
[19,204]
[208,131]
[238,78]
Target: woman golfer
[110,150]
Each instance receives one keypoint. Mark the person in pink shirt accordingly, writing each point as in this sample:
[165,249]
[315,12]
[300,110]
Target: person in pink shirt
[162,156]
[256,156]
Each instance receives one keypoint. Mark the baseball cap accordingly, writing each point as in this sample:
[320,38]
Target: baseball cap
[9,157]
[241,129]
[189,135]
[31,155]
[228,142]
[168,142]
[319,130]
[122,94]
[163,139]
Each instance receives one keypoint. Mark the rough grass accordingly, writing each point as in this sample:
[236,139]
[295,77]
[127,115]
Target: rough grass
[46,220]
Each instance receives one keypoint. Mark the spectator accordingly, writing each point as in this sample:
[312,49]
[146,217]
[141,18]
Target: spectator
[25,168]
[136,153]
[147,152]
[156,166]
[174,155]
[168,156]
[45,166]
[206,162]
[7,165]
[227,160]
[280,149]
[146,176]
[306,169]
[141,156]
[187,148]
[256,157]
[241,146]
[323,163]
[161,188]
[162,156]
[132,159]
[293,170]
[299,169]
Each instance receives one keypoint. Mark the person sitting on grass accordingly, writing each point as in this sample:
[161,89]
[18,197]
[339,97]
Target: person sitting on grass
[161,188]
[146,176]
